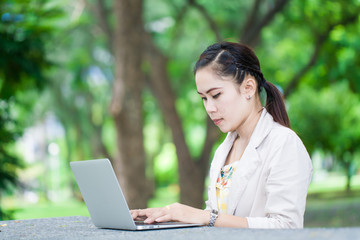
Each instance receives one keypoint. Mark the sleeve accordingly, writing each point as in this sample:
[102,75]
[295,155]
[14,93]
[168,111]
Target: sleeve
[289,176]
[207,203]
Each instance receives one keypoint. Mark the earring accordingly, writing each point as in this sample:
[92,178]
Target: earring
[249,97]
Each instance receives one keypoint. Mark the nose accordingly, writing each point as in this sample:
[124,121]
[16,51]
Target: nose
[210,106]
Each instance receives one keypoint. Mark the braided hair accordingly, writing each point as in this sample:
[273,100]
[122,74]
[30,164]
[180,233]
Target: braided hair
[238,60]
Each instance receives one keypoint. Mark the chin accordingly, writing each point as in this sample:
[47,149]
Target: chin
[224,129]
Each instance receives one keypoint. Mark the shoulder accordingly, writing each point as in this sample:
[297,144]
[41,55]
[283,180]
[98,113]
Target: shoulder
[281,135]
[281,132]
[282,146]
[270,135]
[268,131]
[284,141]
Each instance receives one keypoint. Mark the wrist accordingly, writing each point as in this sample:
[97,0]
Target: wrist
[205,217]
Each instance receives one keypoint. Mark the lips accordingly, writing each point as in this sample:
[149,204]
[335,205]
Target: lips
[217,121]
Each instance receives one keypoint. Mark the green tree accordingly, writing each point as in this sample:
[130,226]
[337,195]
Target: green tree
[22,64]
[174,34]
[327,120]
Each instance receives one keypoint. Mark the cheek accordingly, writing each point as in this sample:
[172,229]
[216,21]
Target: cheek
[231,103]
[234,110]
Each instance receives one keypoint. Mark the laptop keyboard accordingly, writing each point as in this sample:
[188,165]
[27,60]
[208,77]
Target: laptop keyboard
[141,223]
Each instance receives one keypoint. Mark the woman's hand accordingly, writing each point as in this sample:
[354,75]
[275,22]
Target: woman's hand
[174,212]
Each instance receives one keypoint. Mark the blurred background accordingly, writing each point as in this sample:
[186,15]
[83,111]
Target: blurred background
[87,79]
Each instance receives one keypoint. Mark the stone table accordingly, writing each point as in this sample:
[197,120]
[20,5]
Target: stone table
[82,228]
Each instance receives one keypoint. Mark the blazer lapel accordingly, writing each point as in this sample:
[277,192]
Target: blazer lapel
[249,161]
[217,163]
[248,164]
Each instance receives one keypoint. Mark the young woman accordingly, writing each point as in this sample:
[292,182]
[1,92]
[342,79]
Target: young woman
[261,172]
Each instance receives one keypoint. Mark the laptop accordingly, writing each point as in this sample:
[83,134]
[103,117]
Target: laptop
[105,200]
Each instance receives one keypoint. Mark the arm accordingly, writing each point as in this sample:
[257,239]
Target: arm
[183,213]
[289,175]
[174,212]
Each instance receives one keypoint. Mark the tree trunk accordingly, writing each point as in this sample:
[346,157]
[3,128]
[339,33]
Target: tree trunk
[348,183]
[348,174]
[126,105]
[192,172]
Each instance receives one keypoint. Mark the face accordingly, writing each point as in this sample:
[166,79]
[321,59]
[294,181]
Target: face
[224,100]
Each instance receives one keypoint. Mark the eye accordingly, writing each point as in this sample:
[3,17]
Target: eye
[216,95]
[203,98]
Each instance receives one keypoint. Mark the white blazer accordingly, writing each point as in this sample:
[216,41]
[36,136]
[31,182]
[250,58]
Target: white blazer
[270,184]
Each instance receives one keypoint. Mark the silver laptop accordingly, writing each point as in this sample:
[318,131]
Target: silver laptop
[104,198]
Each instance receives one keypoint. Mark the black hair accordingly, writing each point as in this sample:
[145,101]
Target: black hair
[239,60]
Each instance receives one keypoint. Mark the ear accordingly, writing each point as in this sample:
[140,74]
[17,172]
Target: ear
[248,87]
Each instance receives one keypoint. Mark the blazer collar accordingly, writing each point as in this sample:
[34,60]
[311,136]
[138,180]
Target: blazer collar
[248,162]
[262,129]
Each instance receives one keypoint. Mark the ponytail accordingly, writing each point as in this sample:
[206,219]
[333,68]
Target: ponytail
[275,104]
[237,60]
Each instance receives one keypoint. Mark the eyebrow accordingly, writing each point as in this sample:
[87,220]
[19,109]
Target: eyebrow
[211,89]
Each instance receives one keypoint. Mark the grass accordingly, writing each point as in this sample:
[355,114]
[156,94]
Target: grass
[328,204]
[72,207]
[333,182]
[50,209]
[333,209]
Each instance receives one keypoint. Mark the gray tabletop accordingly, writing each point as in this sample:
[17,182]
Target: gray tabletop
[82,228]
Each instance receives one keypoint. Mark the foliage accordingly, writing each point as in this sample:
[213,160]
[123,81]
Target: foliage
[23,61]
[8,162]
[314,53]
[327,120]
[319,52]
[23,31]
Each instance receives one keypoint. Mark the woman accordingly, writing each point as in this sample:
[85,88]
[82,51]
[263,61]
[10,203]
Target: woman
[261,172]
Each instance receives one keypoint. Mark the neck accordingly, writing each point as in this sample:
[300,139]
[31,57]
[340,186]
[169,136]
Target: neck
[245,130]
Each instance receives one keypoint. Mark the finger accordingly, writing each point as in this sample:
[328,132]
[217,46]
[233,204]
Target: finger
[135,210]
[134,214]
[138,214]
[160,212]
[151,218]
[165,218]
[142,218]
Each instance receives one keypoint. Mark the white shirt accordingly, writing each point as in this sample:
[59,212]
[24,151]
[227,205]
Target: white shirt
[270,184]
